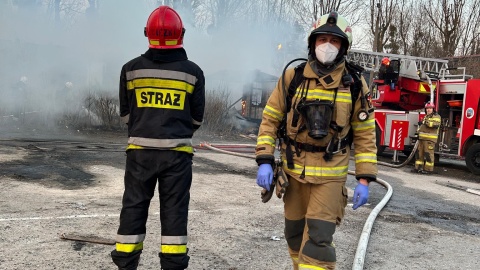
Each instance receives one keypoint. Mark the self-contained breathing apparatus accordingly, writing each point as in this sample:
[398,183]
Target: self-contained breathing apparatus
[318,114]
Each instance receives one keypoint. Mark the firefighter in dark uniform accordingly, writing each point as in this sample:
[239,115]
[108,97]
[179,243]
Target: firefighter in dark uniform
[162,100]
[427,138]
[322,121]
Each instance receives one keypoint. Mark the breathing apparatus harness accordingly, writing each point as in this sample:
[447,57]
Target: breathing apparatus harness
[318,114]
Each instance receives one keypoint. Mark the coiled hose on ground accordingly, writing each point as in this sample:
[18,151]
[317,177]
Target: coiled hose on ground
[359,259]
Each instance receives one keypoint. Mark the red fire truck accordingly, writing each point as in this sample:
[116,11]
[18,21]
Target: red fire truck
[401,93]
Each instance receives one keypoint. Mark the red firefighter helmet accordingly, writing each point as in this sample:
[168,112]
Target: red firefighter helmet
[386,61]
[164,29]
[430,105]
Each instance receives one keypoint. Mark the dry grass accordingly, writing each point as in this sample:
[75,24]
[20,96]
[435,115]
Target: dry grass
[215,119]
[98,109]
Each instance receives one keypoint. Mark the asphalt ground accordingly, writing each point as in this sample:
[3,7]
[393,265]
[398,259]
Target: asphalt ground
[57,184]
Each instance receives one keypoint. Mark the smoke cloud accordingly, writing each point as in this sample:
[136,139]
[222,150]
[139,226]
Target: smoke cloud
[49,64]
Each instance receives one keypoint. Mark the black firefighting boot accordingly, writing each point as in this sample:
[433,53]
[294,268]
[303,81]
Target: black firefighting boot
[126,261]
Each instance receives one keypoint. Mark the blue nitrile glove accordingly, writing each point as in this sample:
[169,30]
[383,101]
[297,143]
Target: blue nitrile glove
[360,195]
[265,176]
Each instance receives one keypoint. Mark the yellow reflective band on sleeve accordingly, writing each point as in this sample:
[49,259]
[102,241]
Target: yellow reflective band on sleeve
[266,140]
[173,249]
[318,171]
[268,110]
[366,157]
[160,98]
[160,83]
[427,136]
[307,266]
[128,248]
[358,125]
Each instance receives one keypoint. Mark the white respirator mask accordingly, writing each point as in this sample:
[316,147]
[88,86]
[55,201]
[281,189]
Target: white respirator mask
[326,53]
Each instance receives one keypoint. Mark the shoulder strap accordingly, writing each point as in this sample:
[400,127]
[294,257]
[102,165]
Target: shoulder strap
[356,72]
[295,83]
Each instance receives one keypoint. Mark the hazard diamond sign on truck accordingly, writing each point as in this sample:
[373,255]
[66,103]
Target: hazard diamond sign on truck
[399,131]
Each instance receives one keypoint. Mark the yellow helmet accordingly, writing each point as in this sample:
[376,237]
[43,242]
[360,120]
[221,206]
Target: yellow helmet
[332,24]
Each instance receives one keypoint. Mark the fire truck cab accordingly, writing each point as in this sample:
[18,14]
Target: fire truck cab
[413,81]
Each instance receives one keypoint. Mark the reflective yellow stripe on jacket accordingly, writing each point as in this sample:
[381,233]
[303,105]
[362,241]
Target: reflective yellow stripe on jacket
[171,76]
[183,145]
[317,171]
[188,149]
[434,122]
[325,95]
[159,83]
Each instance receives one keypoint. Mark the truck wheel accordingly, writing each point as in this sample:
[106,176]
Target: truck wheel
[472,158]
[378,134]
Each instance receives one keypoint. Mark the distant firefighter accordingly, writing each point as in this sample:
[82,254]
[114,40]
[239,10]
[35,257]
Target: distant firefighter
[427,136]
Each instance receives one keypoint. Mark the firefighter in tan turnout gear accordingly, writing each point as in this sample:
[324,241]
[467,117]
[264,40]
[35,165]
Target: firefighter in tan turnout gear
[427,138]
[316,122]
[162,99]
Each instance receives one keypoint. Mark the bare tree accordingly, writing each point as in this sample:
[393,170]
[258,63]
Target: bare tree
[216,14]
[381,15]
[446,17]
[403,21]
[470,39]
[308,12]
[66,12]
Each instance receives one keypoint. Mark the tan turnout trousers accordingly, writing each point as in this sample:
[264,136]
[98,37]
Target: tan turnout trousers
[312,212]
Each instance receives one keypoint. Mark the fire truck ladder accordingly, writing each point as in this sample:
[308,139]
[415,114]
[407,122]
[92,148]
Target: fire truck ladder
[417,68]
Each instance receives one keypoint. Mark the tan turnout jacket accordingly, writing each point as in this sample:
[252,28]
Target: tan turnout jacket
[428,131]
[316,168]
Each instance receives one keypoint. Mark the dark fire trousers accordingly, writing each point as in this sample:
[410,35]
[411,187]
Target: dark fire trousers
[173,171]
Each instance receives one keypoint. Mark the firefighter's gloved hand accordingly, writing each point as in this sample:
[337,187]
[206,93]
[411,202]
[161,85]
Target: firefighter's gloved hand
[360,195]
[265,176]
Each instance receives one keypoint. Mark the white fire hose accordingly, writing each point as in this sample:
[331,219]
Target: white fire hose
[359,259]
